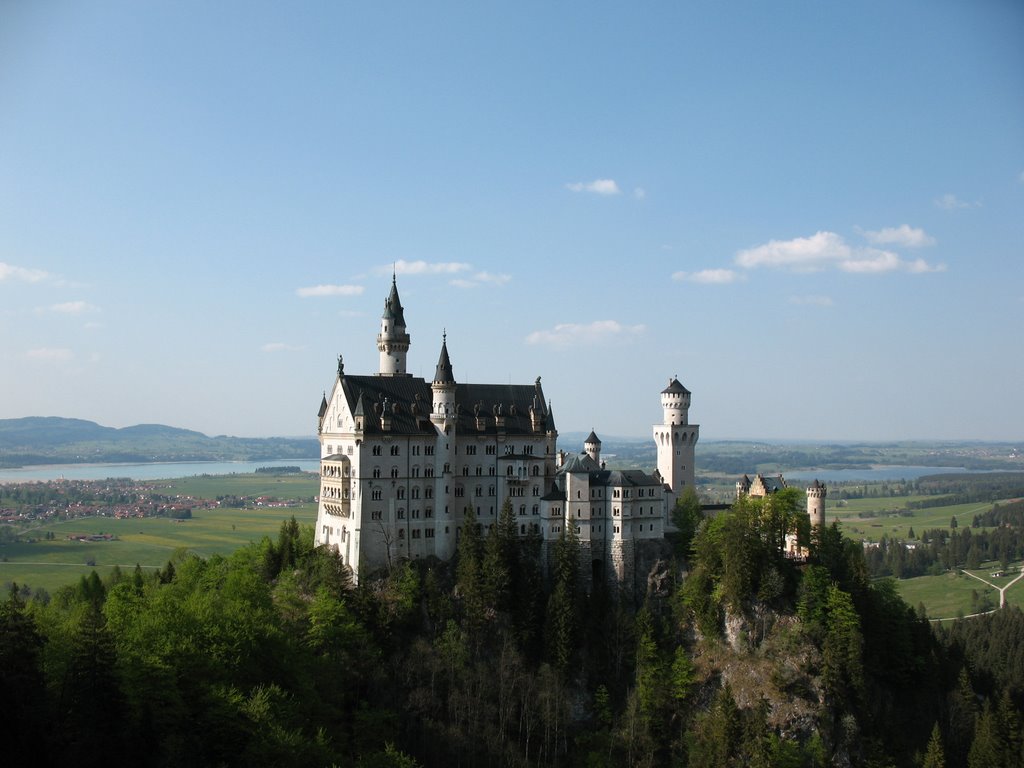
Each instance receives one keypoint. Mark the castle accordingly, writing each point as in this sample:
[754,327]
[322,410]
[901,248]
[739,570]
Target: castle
[404,459]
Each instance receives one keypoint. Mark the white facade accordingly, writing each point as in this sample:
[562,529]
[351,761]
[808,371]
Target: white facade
[404,459]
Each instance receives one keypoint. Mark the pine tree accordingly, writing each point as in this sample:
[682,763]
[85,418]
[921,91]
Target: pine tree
[935,756]
[986,750]
[22,688]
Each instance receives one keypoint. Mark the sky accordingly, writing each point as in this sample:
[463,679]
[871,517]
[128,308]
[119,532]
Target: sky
[811,213]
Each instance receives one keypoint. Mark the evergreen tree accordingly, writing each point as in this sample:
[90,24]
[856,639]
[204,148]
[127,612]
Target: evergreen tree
[935,756]
[986,750]
[22,688]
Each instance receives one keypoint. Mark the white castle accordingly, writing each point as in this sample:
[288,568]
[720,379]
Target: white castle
[402,461]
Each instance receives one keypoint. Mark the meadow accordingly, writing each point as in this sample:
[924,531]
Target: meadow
[150,542]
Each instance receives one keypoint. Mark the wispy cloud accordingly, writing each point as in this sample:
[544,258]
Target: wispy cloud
[481,278]
[823,250]
[950,202]
[811,301]
[50,354]
[709,276]
[280,346]
[23,274]
[73,308]
[639,193]
[904,234]
[589,334]
[402,267]
[597,187]
[329,290]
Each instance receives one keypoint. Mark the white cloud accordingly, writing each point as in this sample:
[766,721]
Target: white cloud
[950,202]
[827,249]
[801,253]
[905,235]
[481,278]
[50,354]
[279,346]
[11,272]
[402,267]
[709,276]
[73,308]
[811,301]
[329,290]
[597,186]
[597,332]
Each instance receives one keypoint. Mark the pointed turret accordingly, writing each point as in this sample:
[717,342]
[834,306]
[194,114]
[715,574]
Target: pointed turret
[592,446]
[443,386]
[392,341]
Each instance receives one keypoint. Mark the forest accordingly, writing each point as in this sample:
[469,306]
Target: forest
[272,656]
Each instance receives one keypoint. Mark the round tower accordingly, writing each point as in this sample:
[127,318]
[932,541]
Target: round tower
[676,438]
[392,341]
[592,447]
[816,504]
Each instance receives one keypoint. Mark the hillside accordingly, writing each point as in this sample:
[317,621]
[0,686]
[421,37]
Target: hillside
[51,440]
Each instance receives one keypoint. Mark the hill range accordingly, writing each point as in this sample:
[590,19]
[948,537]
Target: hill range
[55,440]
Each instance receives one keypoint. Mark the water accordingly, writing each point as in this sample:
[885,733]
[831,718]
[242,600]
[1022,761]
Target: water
[874,473]
[155,471]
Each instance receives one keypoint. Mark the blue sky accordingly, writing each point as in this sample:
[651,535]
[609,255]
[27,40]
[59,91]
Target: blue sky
[812,213]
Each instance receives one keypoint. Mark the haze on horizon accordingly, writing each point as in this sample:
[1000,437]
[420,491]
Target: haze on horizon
[812,214]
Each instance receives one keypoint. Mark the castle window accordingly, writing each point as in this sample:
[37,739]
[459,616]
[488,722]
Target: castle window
[536,470]
[490,490]
[579,494]
[401,533]
[415,450]
[375,494]
[491,450]
[522,509]
[401,513]
[415,493]
[491,471]
[415,514]
[615,511]
[400,493]
[428,450]
[479,471]
[394,450]
[376,450]
[415,534]
[465,471]
[376,472]
[376,514]
[447,468]
[478,491]
[428,512]
[429,533]
[428,472]
[428,493]
[536,509]
[416,471]
[471,450]
[509,471]
[459,491]
[394,471]
[536,490]
[616,529]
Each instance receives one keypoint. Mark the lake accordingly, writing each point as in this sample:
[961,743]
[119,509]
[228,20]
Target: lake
[155,471]
[874,473]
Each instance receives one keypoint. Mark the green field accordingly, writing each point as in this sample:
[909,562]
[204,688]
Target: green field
[888,521]
[150,542]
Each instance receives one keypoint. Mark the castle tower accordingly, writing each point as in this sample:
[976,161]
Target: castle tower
[816,504]
[443,388]
[592,447]
[392,341]
[676,438]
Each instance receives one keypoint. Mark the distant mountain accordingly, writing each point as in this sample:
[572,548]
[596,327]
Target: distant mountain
[51,439]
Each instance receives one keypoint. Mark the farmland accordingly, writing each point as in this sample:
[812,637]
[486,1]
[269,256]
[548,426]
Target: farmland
[54,552]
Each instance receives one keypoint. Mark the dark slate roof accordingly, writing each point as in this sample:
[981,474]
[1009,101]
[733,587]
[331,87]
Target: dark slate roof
[578,463]
[393,306]
[323,406]
[334,457]
[772,484]
[409,401]
[674,387]
[444,373]
[632,478]
[592,438]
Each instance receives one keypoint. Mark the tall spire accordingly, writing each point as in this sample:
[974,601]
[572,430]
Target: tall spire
[444,373]
[393,340]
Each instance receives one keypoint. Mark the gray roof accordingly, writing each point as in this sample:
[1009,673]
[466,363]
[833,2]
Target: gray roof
[409,400]
[674,387]
[393,306]
[592,438]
